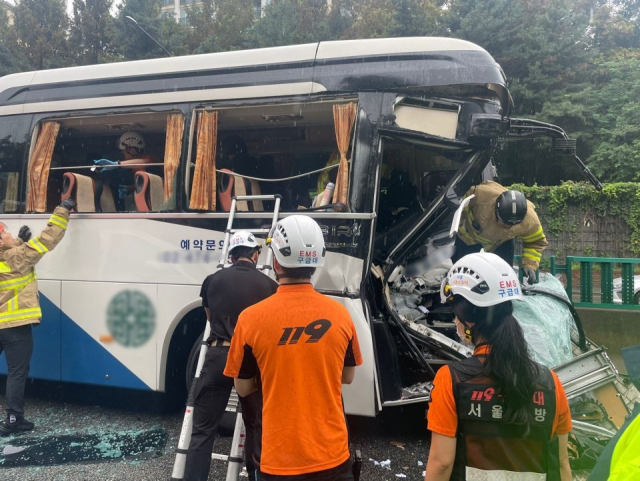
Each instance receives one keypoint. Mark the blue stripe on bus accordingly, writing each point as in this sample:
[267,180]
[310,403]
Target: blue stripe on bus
[63,351]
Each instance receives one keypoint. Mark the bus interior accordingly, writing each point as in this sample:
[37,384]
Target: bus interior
[261,149]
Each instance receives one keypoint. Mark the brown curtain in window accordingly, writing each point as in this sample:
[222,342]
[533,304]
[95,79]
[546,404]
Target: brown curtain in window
[344,117]
[11,197]
[172,150]
[203,189]
[39,165]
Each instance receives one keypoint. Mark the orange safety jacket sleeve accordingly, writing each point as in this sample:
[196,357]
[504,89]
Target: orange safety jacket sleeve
[533,242]
[25,255]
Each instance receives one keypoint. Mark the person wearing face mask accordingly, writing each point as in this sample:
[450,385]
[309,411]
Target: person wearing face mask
[497,414]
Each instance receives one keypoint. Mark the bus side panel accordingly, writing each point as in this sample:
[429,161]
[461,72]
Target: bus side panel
[174,301]
[359,396]
[108,334]
[45,361]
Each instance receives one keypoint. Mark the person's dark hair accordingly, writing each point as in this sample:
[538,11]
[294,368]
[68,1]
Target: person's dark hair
[297,272]
[242,251]
[508,362]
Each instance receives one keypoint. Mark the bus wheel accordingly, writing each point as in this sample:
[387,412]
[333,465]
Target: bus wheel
[228,421]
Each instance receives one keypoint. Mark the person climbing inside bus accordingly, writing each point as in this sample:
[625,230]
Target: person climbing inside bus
[132,145]
[493,219]
[225,294]
[20,306]
[497,414]
[303,346]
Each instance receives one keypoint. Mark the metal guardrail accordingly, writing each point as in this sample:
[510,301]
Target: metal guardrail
[623,292]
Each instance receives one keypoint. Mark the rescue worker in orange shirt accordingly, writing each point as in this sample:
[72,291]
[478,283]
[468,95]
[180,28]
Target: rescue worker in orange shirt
[497,414]
[303,346]
[493,219]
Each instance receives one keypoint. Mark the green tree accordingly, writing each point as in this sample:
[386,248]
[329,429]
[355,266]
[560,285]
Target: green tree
[131,41]
[221,25]
[290,22]
[40,30]
[11,58]
[93,32]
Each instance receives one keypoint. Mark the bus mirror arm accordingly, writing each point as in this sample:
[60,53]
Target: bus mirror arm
[529,129]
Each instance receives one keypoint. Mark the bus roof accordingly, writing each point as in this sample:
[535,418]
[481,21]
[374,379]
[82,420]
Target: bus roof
[325,66]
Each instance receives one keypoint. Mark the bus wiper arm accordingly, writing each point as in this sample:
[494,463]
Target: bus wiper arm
[524,128]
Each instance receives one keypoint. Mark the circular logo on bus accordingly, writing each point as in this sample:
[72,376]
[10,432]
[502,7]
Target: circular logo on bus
[131,318]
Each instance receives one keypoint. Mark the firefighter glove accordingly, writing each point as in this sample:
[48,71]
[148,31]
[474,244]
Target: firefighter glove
[24,233]
[530,275]
[68,204]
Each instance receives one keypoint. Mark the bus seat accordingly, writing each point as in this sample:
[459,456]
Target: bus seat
[104,198]
[81,189]
[230,185]
[226,179]
[149,194]
[258,206]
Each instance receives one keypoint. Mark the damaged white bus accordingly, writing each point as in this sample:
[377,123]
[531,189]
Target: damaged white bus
[404,127]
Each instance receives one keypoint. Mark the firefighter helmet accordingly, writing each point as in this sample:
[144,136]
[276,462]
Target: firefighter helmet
[297,241]
[243,238]
[131,139]
[484,279]
[511,207]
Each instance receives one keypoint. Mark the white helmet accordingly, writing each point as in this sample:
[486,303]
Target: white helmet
[297,241]
[484,279]
[131,139]
[243,238]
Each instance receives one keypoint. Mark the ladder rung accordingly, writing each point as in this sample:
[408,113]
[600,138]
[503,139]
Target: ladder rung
[253,231]
[260,267]
[219,457]
[255,197]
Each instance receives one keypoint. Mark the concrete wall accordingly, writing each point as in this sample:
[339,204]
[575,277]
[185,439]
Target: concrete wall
[612,328]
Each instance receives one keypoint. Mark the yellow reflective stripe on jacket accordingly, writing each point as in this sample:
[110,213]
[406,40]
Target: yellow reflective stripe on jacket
[533,237]
[59,221]
[21,314]
[12,305]
[4,267]
[39,246]
[17,283]
[532,254]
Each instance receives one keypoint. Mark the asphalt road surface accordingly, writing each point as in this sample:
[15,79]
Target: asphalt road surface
[85,433]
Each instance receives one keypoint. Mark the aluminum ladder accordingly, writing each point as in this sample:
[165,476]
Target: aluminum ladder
[235,457]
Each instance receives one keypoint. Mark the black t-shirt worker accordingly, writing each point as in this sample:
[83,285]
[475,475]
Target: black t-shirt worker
[225,294]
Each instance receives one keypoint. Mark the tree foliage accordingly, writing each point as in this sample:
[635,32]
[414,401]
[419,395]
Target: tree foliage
[92,32]
[40,30]
[575,63]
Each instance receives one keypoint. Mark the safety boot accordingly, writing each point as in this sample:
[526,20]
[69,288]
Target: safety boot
[15,424]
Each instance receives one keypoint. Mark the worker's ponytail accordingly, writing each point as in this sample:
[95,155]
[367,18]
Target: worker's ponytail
[508,362]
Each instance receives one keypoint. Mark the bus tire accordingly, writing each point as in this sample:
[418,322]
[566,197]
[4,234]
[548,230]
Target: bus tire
[228,421]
